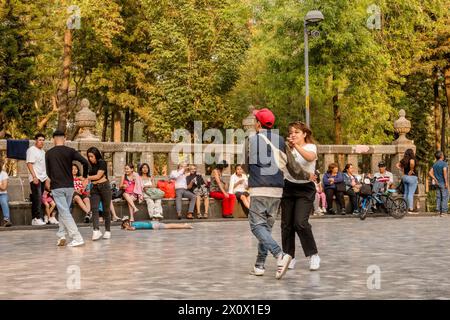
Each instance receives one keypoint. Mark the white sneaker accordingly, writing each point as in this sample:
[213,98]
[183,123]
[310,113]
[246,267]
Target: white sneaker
[75,243]
[158,216]
[292,264]
[46,220]
[96,235]
[107,235]
[37,222]
[257,271]
[61,242]
[314,263]
[53,220]
[283,262]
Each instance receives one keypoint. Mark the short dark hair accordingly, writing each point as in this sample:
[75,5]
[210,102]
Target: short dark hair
[39,135]
[95,152]
[59,133]
[438,154]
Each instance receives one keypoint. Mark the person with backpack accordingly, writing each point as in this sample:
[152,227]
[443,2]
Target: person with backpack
[439,174]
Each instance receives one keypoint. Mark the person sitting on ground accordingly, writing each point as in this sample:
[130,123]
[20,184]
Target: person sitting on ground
[181,190]
[81,195]
[352,186]
[4,200]
[218,187]
[154,206]
[320,197]
[330,179]
[152,225]
[197,185]
[50,206]
[132,184]
[239,187]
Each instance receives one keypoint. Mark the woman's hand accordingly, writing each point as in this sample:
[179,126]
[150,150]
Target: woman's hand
[226,195]
[411,173]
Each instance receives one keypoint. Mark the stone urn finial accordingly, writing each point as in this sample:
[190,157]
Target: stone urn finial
[402,126]
[249,122]
[85,120]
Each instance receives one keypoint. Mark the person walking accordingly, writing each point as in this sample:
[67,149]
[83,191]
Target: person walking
[37,177]
[298,197]
[266,184]
[101,191]
[439,174]
[58,161]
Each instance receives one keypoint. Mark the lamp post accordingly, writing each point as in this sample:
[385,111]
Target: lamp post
[312,17]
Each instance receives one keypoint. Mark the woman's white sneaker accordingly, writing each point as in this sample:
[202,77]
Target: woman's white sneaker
[96,235]
[256,271]
[107,235]
[314,263]
[292,264]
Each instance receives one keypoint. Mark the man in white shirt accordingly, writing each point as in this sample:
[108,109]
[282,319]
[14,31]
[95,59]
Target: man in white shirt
[382,174]
[181,189]
[37,176]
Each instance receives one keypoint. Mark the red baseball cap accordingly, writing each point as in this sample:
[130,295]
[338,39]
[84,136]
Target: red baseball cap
[265,116]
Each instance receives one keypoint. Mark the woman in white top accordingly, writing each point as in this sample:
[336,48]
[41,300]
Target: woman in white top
[239,186]
[154,207]
[4,195]
[299,195]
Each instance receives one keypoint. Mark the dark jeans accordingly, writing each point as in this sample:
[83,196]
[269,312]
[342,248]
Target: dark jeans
[339,199]
[36,196]
[353,199]
[101,191]
[296,206]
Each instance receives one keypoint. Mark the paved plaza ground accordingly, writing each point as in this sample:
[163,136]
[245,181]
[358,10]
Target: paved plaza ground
[212,261]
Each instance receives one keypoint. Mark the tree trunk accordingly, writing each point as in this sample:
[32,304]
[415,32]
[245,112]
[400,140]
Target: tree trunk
[112,126]
[63,90]
[105,123]
[132,121]
[127,125]
[443,142]
[117,126]
[338,128]
[437,111]
[447,86]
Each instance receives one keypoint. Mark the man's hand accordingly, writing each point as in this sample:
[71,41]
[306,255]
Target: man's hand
[35,180]
[312,177]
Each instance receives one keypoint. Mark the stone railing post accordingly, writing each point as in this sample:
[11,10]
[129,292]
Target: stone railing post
[402,126]
[353,159]
[375,159]
[328,159]
[119,161]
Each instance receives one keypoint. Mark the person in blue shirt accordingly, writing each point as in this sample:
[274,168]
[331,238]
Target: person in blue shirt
[330,179]
[152,225]
[439,174]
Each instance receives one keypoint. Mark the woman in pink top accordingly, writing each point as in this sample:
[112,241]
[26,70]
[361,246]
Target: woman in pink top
[132,185]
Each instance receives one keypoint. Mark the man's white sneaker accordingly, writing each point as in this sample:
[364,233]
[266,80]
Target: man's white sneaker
[256,271]
[53,220]
[46,220]
[61,242]
[96,235]
[37,222]
[76,243]
[283,262]
[107,235]
[292,264]
[314,263]
[158,216]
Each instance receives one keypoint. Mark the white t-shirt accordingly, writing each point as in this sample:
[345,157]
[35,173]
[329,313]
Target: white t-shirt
[3,177]
[36,156]
[180,179]
[242,187]
[308,166]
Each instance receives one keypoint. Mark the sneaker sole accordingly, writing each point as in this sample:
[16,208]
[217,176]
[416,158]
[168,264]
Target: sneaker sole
[78,245]
[256,274]
[283,272]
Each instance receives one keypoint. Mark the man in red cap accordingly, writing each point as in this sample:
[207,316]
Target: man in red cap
[266,184]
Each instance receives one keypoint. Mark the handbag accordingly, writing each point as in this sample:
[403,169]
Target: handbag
[286,161]
[168,187]
[116,193]
[155,193]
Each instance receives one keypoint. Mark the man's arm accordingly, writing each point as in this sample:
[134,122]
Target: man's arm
[4,185]
[445,170]
[78,157]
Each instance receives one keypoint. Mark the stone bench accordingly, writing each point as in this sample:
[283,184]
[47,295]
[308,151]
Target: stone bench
[21,210]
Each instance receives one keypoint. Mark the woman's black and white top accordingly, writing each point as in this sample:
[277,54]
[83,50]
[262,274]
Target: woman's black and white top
[308,166]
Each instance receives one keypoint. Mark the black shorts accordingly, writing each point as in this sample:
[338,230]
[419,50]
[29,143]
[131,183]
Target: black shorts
[239,194]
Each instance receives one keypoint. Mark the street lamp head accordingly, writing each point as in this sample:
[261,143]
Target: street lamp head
[313,16]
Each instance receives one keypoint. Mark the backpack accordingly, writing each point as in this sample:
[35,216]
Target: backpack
[168,187]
